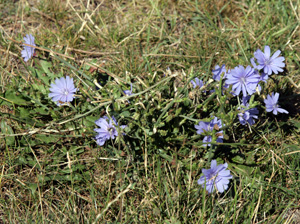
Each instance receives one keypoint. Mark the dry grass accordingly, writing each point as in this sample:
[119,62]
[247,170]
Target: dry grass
[71,180]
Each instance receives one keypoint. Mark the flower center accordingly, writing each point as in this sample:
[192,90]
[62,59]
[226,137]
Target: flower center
[213,176]
[66,92]
[243,80]
[110,130]
[267,62]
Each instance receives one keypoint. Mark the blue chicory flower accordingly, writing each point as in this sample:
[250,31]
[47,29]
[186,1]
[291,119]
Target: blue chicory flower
[254,65]
[242,79]
[197,82]
[272,104]
[63,90]
[28,52]
[269,63]
[263,78]
[128,92]
[247,115]
[217,72]
[209,127]
[107,130]
[217,176]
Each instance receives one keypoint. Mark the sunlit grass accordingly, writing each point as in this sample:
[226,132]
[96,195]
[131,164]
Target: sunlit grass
[53,171]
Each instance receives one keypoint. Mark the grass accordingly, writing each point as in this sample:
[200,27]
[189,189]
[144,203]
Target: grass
[53,171]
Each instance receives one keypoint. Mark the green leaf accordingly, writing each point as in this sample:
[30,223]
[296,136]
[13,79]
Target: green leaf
[22,160]
[16,98]
[46,65]
[296,123]
[40,75]
[164,155]
[23,112]
[32,187]
[89,121]
[40,88]
[125,114]
[47,138]
[7,130]
[242,167]
[41,110]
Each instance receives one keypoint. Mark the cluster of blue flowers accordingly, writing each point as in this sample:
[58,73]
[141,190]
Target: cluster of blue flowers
[63,92]
[240,79]
[246,81]
[247,115]
[209,127]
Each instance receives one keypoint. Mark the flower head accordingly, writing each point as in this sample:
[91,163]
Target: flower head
[128,92]
[254,65]
[27,51]
[242,79]
[218,71]
[107,129]
[217,176]
[269,63]
[247,115]
[197,82]
[263,78]
[209,127]
[63,90]
[271,104]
